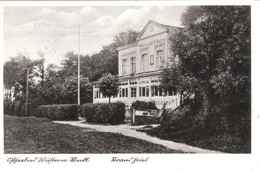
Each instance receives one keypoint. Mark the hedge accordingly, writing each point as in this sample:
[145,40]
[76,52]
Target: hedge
[14,108]
[58,112]
[103,113]
[146,120]
[143,105]
[8,107]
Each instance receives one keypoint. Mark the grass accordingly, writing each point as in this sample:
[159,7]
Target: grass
[221,142]
[30,135]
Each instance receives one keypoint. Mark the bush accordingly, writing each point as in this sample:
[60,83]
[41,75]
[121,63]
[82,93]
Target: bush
[146,120]
[58,112]
[17,108]
[103,113]
[143,105]
[182,118]
[7,106]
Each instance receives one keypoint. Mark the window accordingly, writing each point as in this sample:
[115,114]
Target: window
[97,94]
[147,91]
[144,91]
[156,91]
[160,92]
[172,91]
[123,66]
[123,92]
[133,82]
[133,92]
[144,62]
[159,57]
[151,60]
[133,65]
[123,83]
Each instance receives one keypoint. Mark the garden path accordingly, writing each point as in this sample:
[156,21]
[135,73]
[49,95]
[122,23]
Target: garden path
[130,130]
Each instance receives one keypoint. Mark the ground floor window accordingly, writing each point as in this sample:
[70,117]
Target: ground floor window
[123,92]
[157,91]
[133,92]
[144,91]
[97,94]
[172,92]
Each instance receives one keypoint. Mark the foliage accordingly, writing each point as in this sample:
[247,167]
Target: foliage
[58,85]
[108,85]
[58,112]
[105,61]
[15,74]
[58,90]
[8,107]
[214,56]
[104,113]
[18,108]
[146,120]
[143,105]
[183,118]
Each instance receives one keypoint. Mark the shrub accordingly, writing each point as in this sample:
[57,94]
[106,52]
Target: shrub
[17,108]
[146,120]
[7,106]
[143,105]
[182,118]
[103,113]
[58,112]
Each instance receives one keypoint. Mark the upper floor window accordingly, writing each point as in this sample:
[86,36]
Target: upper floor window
[123,66]
[151,60]
[133,65]
[159,58]
[144,62]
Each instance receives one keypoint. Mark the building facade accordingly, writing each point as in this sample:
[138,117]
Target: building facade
[140,66]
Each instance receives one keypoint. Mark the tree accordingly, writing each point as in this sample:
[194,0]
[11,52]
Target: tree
[108,85]
[61,90]
[40,65]
[106,61]
[214,52]
[15,74]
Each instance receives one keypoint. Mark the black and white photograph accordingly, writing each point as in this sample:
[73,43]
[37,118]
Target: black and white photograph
[128,79]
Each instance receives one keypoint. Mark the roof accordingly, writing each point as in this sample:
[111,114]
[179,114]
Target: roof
[170,29]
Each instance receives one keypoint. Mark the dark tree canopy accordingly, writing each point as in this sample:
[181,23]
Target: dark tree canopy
[58,84]
[214,50]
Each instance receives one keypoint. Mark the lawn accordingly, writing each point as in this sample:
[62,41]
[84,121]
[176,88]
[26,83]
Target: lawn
[222,142]
[30,135]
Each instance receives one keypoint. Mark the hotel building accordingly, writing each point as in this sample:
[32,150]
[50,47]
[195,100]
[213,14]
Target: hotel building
[140,66]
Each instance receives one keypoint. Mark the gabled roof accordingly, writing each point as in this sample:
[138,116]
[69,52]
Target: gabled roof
[171,29]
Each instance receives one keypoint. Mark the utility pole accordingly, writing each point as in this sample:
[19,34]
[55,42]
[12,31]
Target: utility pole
[79,70]
[27,88]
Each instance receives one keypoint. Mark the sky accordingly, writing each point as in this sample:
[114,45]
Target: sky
[55,30]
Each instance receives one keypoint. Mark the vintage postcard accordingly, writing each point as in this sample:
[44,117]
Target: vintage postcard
[126,84]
